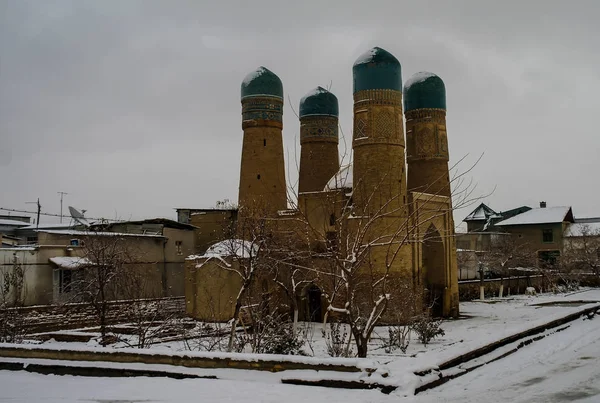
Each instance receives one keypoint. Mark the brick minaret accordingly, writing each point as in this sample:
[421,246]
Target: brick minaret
[262,173]
[319,158]
[427,142]
[378,144]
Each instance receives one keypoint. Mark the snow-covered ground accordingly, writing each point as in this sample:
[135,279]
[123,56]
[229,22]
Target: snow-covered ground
[559,368]
[562,366]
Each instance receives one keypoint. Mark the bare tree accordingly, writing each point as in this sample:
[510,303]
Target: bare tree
[104,257]
[355,260]
[582,249]
[145,308]
[12,296]
[505,253]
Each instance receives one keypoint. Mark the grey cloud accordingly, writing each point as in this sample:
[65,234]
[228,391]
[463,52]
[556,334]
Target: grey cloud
[134,106]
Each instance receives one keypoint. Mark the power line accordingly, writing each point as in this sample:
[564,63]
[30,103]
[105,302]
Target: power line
[53,215]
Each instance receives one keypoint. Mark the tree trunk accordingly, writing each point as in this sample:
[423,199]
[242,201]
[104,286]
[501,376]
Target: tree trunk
[362,347]
[295,323]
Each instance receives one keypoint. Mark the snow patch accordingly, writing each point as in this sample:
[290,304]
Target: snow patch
[418,78]
[254,75]
[341,180]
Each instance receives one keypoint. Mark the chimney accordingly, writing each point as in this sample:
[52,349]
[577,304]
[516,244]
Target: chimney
[542,204]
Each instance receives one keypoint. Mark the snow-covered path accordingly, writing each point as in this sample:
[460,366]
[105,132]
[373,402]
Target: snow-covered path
[562,367]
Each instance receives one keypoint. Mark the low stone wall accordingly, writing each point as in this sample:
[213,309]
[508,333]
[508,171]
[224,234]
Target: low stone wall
[469,290]
[47,318]
[274,363]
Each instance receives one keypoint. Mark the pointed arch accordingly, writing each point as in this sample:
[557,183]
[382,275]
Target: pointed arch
[434,270]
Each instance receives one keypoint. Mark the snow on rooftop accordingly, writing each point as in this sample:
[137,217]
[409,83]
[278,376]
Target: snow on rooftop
[341,180]
[546,215]
[94,233]
[482,212]
[418,78]
[49,226]
[15,223]
[583,229]
[70,262]
[232,247]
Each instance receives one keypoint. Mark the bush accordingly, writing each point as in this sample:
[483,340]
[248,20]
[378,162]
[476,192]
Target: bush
[427,328]
[337,340]
[399,337]
[270,334]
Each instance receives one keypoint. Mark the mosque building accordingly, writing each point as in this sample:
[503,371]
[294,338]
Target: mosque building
[394,199]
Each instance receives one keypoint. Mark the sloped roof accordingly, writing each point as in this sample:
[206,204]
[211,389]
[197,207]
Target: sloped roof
[167,223]
[70,262]
[546,215]
[15,223]
[482,212]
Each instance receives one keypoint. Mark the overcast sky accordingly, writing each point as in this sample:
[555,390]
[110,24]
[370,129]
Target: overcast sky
[132,107]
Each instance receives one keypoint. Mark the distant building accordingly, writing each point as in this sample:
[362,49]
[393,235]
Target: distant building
[51,264]
[545,231]
[210,225]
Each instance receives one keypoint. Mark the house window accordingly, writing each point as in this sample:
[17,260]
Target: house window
[548,257]
[178,247]
[65,280]
[547,236]
[332,220]
[264,142]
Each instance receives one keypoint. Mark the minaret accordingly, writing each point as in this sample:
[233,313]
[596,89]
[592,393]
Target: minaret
[262,174]
[427,155]
[427,142]
[319,158]
[379,184]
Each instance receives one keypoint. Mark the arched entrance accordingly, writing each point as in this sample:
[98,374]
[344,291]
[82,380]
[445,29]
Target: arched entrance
[313,295]
[434,267]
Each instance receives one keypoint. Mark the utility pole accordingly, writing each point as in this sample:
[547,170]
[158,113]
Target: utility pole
[39,209]
[61,203]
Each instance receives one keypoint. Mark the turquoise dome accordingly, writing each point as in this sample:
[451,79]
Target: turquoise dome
[319,102]
[424,90]
[262,81]
[377,69]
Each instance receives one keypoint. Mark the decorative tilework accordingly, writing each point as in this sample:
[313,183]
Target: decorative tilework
[319,127]
[262,108]
[384,123]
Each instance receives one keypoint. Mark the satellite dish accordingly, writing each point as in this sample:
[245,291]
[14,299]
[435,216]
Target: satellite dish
[78,216]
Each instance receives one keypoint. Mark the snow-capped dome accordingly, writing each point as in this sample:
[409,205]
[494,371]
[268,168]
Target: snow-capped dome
[424,90]
[319,102]
[262,81]
[377,69]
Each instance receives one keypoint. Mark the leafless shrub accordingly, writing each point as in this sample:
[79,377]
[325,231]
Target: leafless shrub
[398,337]
[427,328]
[337,340]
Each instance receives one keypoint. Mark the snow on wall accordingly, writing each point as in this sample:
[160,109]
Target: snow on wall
[341,180]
